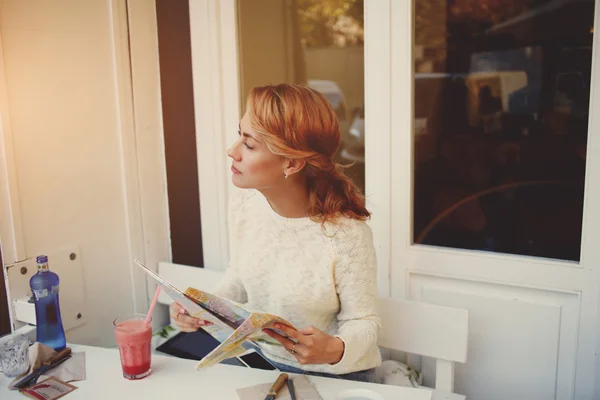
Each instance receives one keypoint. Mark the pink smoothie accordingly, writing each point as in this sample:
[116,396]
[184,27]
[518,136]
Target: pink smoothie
[133,338]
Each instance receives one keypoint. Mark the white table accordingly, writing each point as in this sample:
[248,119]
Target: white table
[175,378]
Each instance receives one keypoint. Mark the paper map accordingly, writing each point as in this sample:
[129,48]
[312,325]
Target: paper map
[232,323]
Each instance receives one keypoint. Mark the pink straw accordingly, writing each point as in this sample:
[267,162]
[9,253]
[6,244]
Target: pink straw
[154,300]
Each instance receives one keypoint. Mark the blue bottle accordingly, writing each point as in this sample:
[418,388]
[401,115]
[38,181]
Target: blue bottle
[44,286]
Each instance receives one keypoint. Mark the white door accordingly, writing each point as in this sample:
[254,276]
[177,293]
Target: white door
[68,130]
[494,168]
[534,317]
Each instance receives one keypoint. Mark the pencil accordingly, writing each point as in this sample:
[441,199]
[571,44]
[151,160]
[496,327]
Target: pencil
[290,384]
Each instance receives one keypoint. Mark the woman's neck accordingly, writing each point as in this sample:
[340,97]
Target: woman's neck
[289,201]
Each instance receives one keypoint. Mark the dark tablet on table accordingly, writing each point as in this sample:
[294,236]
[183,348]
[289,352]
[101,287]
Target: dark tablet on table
[196,345]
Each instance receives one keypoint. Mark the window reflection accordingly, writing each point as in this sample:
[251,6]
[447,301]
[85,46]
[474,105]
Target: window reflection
[317,43]
[501,105]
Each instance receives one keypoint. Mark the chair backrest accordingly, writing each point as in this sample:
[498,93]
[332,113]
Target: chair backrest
[412,327]
[428,330]
[184,276]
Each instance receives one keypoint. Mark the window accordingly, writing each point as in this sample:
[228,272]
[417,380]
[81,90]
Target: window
[501,103]
[317,43]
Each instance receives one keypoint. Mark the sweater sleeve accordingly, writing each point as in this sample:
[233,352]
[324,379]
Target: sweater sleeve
[231,286]
[356,285]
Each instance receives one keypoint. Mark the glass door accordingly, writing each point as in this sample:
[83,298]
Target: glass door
[315,43]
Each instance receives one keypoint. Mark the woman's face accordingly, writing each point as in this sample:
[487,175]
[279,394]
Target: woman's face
[253,165]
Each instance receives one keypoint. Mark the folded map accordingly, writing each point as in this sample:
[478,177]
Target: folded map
[232,324]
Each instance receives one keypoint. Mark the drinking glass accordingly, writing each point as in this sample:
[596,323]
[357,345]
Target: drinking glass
[134,338]
[14,354]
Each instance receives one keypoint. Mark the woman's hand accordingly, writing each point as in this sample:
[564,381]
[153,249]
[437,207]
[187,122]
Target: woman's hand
[184,321]
[309,345]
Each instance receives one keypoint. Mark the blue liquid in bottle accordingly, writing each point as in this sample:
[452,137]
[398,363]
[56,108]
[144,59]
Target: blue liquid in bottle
[44,287]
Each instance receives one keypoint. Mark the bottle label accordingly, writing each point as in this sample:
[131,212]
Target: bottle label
[39,293]
[51,313]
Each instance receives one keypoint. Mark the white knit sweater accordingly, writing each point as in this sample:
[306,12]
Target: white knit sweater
[294,268]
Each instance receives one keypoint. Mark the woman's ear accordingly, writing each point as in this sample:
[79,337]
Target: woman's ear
[293,166]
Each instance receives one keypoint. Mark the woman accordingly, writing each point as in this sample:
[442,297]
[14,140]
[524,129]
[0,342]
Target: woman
[301,248]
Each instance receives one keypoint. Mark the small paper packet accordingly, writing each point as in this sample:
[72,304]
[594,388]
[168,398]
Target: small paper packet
[48,389]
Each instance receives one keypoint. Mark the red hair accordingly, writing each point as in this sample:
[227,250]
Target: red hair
[298,122]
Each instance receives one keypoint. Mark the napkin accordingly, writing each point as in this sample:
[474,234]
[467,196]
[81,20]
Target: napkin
[71,370]
[303,388]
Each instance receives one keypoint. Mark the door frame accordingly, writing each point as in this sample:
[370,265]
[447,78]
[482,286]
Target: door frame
[146,158]
[581,279]
[378,150]
[214,70]
[11,233]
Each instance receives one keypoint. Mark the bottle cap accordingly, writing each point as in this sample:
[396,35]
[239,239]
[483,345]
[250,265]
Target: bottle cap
[42,259]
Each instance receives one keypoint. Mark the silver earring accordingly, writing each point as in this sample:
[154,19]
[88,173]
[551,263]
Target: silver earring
[286,176]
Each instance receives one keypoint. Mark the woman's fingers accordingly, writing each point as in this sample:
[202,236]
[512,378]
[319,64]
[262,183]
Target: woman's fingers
[175,309]
[280,338]
[289,331]
[185,322]
[285,342]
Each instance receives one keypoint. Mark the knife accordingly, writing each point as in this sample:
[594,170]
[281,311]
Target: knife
[276,386]
[50,363]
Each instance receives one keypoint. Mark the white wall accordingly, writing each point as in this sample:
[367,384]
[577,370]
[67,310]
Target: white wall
[74,148]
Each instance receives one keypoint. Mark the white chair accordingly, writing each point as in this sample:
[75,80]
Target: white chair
[411,327]
[427,330]
[184,276]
